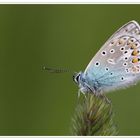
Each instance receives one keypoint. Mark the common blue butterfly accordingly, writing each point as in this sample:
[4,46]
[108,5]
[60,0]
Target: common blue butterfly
[116,65]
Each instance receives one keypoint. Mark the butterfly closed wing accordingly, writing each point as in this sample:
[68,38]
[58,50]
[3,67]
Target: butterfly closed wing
[116,65]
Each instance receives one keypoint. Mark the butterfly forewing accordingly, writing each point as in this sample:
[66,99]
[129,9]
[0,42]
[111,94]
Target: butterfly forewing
[117,63]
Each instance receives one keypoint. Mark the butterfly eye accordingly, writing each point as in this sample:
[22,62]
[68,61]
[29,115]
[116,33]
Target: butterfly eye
[76,78]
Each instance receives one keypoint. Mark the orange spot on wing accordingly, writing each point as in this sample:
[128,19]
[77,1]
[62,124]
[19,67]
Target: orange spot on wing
[135,60]
[135,69]
[135,52]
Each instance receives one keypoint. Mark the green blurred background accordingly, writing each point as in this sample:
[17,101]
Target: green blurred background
[34,102]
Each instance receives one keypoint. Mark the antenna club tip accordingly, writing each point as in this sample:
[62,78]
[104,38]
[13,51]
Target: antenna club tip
[43,68]
[53,70]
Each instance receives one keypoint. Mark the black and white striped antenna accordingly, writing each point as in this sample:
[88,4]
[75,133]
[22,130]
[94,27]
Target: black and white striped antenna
[56,70]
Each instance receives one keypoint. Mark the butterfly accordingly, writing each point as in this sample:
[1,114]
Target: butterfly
[116,65]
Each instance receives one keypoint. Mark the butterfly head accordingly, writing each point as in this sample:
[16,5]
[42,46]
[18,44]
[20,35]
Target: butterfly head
[81,80]
[76,77]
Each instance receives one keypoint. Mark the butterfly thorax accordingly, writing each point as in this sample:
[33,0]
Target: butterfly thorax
[86,85]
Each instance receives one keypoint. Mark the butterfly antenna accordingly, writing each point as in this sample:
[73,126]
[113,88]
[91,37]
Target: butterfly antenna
[54,70]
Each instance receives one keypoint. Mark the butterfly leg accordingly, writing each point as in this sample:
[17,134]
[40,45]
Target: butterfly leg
[106,99]
[79,93]
[108,102]
[102,96]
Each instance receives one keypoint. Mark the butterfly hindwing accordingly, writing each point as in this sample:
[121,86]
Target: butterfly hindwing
[117,63]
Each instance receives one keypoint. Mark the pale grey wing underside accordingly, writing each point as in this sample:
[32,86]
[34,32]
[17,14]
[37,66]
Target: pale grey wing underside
[117,62]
